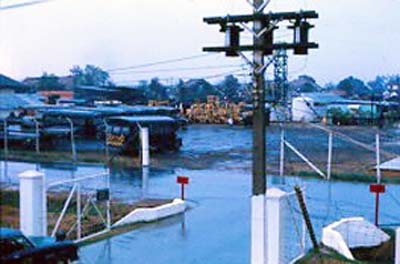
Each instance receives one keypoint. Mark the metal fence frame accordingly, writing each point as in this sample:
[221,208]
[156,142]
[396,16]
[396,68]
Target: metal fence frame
[80,212]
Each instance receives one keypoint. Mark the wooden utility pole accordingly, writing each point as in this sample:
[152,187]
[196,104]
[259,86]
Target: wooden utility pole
[263,45]
[259,175]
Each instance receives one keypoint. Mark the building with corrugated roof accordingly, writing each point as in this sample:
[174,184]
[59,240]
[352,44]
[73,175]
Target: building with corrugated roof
[8,85]
[309,107]
[14,95]
[127,95]
[391,168]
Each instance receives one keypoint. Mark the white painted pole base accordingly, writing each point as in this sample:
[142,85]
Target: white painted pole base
[33,204]
[275,220]
[397,239]
[258,242]
[145,142]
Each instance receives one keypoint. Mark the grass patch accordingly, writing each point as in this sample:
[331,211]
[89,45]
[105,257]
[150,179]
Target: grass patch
[325,256]
[349,177]
[91,221]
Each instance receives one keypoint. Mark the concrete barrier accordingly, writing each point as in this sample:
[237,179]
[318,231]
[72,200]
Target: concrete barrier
[354,232]
[334,240]
[177,206]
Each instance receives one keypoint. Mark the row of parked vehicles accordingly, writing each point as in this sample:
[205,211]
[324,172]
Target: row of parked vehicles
[53,125]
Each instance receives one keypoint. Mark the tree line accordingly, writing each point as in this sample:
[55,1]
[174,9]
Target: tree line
[230,88]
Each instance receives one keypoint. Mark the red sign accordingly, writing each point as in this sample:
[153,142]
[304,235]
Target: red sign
[377,188]
[182,180]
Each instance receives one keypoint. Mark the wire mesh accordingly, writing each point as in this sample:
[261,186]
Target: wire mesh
[293,243]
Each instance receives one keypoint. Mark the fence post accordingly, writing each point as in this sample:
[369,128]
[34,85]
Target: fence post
[145,140]
[275,225]
[330,145]
[282,154]
[33,203]
[108,204]
[5,131]
[378,158]
[78,211]
[37,134]
[397,239]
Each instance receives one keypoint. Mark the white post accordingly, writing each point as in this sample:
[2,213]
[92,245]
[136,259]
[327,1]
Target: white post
[33,203]
[378,158]
[397,255]
[275,229]
[72,138]
[282,156]
[258,224]
[330,145]
[145,142]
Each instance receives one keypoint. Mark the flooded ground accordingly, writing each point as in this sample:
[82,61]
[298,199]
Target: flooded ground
[217,230]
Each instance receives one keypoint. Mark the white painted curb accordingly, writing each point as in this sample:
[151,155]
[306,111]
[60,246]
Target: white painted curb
[140,215]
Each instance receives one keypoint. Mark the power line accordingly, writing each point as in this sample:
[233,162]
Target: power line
[24,4]
[238,72]
[180,69]
[159,63]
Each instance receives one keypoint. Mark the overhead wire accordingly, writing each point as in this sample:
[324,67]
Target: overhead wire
[237,72]
[23,4]
[178,69]
[159,62]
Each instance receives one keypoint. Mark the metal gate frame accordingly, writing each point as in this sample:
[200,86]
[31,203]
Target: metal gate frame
[80,212]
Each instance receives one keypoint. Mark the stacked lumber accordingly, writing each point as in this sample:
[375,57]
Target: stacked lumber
[215,112]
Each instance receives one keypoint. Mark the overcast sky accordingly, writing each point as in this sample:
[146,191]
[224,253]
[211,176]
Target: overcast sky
[356,37]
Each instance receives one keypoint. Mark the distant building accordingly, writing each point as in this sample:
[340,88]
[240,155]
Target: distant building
[127,95]
[390,168]
[14,95]
[55,97]
[67,82]
[8,85]
[309,107]
[393,91]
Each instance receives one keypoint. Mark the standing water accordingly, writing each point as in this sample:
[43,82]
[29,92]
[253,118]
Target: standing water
[217,228]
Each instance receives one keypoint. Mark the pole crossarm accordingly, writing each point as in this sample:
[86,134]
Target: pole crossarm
[261,17]
[286,46]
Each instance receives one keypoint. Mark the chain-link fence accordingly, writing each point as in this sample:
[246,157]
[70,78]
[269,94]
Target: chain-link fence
[295,242]
[344,153]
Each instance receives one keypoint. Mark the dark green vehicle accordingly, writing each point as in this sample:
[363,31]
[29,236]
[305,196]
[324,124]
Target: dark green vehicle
[123,133]
[17,248]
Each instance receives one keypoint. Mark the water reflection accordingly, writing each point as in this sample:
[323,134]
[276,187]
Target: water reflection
[145,181]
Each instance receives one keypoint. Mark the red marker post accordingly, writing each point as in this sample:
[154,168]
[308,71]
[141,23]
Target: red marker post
[377,189]
[182,180]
